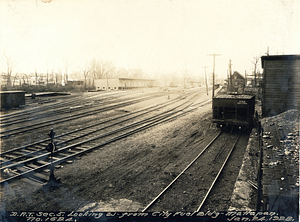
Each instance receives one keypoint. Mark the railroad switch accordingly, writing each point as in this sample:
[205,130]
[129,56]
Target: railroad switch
[51,147]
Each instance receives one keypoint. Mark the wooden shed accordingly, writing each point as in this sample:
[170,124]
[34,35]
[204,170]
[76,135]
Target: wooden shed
[11,99]
[281,83]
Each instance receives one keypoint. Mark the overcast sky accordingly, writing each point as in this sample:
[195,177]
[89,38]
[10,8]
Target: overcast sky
[154,35]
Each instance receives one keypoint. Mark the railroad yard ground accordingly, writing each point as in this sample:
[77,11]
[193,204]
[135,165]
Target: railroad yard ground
[127,174]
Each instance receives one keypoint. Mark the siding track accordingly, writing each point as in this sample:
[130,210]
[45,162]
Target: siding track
[173,198]
[31,161]
[69,115]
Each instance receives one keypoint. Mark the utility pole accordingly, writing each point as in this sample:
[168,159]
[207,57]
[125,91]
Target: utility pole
[227,88]
[205,79]
[35,76]
[230,75]
[213,88]
[47,74]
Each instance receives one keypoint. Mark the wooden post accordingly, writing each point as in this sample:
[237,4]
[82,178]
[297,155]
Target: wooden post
[213,88]
[206,80]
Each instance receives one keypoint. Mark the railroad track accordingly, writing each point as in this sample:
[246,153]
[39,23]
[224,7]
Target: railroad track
[31,160]
[74,116]
[196,190]
[59,108]
[78,134]
[25,115]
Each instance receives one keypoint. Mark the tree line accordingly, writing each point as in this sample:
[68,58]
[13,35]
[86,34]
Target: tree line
[94,69]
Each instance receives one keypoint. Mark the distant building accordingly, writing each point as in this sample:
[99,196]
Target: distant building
[3,80]
[281,81]
[75,82]
[254,80]
[123,83]
[194,83]
[236,83]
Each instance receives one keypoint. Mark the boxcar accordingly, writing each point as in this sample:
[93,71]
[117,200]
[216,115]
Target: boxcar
[11,99]
[234,110]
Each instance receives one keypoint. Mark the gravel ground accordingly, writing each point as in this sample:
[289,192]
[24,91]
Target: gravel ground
[281,163]
[124,175]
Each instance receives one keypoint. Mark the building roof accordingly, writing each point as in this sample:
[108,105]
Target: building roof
[239,76]
[278,57]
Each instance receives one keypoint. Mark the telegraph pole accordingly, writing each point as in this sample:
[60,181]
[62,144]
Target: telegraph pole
[213,88]
[205,79]
[230,75]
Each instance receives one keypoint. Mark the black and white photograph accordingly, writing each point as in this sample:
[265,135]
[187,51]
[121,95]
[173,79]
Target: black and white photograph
[149,110]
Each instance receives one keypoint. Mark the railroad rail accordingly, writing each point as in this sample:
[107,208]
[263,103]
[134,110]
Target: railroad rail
[166,191]
[73,101]
[74,116]
[86,131]
[6,118]
[37,159]
[58,108]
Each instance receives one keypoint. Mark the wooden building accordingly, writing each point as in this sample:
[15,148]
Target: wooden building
[236,83]
[281,83]
[123,83]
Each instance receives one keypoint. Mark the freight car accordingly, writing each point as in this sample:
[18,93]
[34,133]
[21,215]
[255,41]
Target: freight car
[11,99]
[234,110]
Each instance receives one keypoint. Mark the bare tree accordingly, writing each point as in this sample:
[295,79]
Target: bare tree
[56,78]
[174,79]
[122,72]
[118,72]
[30,77]
[52,75]
[14,79]
[167,79]
[86,70]
[186,74]
[101,69]
[60,75]
[10,65]
[36,76]
[67,64]
[137,73]
[255,69]
[109,69]
[23,77]
[104,69]
[93,68]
